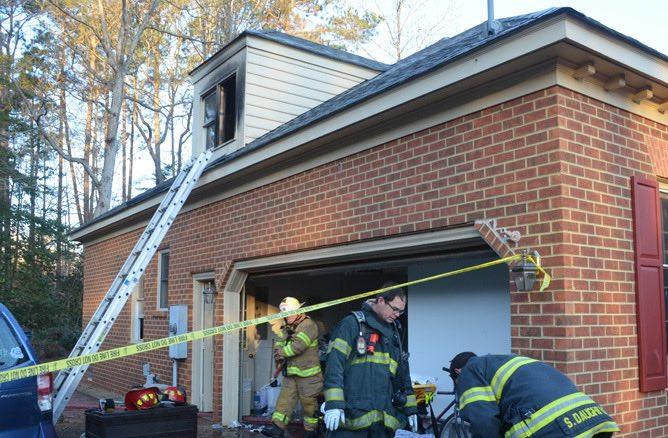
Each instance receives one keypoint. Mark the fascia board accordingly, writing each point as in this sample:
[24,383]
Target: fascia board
[618,51]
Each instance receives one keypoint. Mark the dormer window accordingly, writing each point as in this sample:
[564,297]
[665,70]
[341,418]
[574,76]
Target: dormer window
[220,112]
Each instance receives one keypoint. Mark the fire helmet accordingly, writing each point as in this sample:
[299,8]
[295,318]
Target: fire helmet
[174,394]
[289,303]
[140,399]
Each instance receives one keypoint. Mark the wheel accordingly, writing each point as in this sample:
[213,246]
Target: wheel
[455,428]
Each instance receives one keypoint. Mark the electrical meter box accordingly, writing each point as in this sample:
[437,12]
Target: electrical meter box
[178,325]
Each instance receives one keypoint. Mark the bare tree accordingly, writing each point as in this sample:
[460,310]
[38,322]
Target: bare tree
[409,26]
[115,29]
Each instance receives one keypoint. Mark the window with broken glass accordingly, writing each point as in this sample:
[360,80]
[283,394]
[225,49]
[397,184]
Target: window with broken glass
[220,113]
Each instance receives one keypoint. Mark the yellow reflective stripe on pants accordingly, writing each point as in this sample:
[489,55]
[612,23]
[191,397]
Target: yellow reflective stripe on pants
[304,337]
[411,401]
[477,393]
[277,416]
[548,414]
[608,426]
[340,345]
[306,372]
[311,420]
[505,371]
[371,417]
[314,343]
[378,358]
[334,394]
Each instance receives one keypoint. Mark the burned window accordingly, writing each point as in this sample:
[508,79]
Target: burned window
[220,113]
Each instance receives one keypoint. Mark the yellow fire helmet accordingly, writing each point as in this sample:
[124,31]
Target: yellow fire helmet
[289,303]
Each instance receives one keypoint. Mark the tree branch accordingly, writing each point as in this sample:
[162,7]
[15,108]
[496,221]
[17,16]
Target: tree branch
[36,118]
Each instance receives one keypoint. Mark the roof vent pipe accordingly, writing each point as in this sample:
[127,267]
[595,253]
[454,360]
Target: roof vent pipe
[492,25]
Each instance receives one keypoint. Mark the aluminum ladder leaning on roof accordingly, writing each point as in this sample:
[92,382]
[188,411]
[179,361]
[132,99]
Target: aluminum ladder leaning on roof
[126,279]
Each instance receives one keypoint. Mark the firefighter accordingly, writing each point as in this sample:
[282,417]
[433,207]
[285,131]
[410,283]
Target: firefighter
[367,381]
[296,352]
[515,397]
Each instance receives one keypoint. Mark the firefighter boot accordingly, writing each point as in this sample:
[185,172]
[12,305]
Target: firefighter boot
[275,432]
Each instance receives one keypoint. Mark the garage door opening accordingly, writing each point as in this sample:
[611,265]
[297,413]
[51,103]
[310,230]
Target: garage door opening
[467,312]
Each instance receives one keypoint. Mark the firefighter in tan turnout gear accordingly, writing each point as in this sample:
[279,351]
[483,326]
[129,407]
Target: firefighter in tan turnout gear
[297,353]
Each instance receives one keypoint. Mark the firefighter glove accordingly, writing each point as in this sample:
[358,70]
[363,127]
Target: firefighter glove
[334,418]
[413,423]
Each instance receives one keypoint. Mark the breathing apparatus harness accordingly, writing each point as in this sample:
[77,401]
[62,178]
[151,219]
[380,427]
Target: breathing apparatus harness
[367,341]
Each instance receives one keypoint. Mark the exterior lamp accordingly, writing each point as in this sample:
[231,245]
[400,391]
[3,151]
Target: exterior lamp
[523,274]
[209,291]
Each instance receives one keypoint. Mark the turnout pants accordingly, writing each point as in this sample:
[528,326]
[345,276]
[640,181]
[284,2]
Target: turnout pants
[376,430]
[304,389]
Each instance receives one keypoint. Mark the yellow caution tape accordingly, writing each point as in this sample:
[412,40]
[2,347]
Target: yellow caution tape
[143,347]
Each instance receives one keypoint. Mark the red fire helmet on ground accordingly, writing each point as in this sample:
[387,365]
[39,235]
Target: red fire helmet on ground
[140,399]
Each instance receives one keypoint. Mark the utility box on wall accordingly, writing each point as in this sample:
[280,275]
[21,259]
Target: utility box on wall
[178,325]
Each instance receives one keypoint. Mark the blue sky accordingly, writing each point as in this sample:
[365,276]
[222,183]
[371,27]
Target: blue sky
[644,20]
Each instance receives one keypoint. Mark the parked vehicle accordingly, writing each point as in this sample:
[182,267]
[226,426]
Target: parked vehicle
[25,404]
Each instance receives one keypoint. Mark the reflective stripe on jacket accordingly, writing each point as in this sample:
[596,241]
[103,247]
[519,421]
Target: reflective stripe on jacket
[363,385]
[301,350]
[519,397]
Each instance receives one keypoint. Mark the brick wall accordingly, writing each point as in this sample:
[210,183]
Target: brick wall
[554,165]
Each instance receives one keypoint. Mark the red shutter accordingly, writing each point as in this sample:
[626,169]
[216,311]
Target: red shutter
[649,284]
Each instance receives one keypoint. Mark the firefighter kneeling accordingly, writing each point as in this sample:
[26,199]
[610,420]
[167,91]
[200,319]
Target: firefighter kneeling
[297,352]
[519,397]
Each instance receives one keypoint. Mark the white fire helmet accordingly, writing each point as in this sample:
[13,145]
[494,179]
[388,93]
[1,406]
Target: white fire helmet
[289,303]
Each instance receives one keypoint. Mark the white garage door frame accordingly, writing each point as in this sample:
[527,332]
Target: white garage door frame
[411,245]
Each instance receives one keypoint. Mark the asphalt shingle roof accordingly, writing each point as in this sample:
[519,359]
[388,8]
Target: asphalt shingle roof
[431,58]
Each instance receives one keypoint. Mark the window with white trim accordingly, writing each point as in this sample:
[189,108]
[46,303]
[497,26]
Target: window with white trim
[220,113]
[137,323]
[163,281]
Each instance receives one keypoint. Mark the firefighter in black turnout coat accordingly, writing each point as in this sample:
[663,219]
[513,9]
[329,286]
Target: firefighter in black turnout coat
[517,397]
[367,381]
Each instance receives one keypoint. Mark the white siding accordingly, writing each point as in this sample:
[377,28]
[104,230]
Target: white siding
[283,82]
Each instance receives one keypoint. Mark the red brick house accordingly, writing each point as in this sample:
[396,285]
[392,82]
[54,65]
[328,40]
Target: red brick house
[333,174]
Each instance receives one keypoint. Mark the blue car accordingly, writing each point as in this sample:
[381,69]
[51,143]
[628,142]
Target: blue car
[25,404]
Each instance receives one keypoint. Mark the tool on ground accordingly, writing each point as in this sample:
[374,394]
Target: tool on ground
[130,273]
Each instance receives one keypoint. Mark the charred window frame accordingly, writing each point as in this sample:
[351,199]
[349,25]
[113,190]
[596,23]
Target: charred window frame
[220,113]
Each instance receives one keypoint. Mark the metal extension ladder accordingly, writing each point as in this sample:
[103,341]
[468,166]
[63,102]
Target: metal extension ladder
[126,279]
